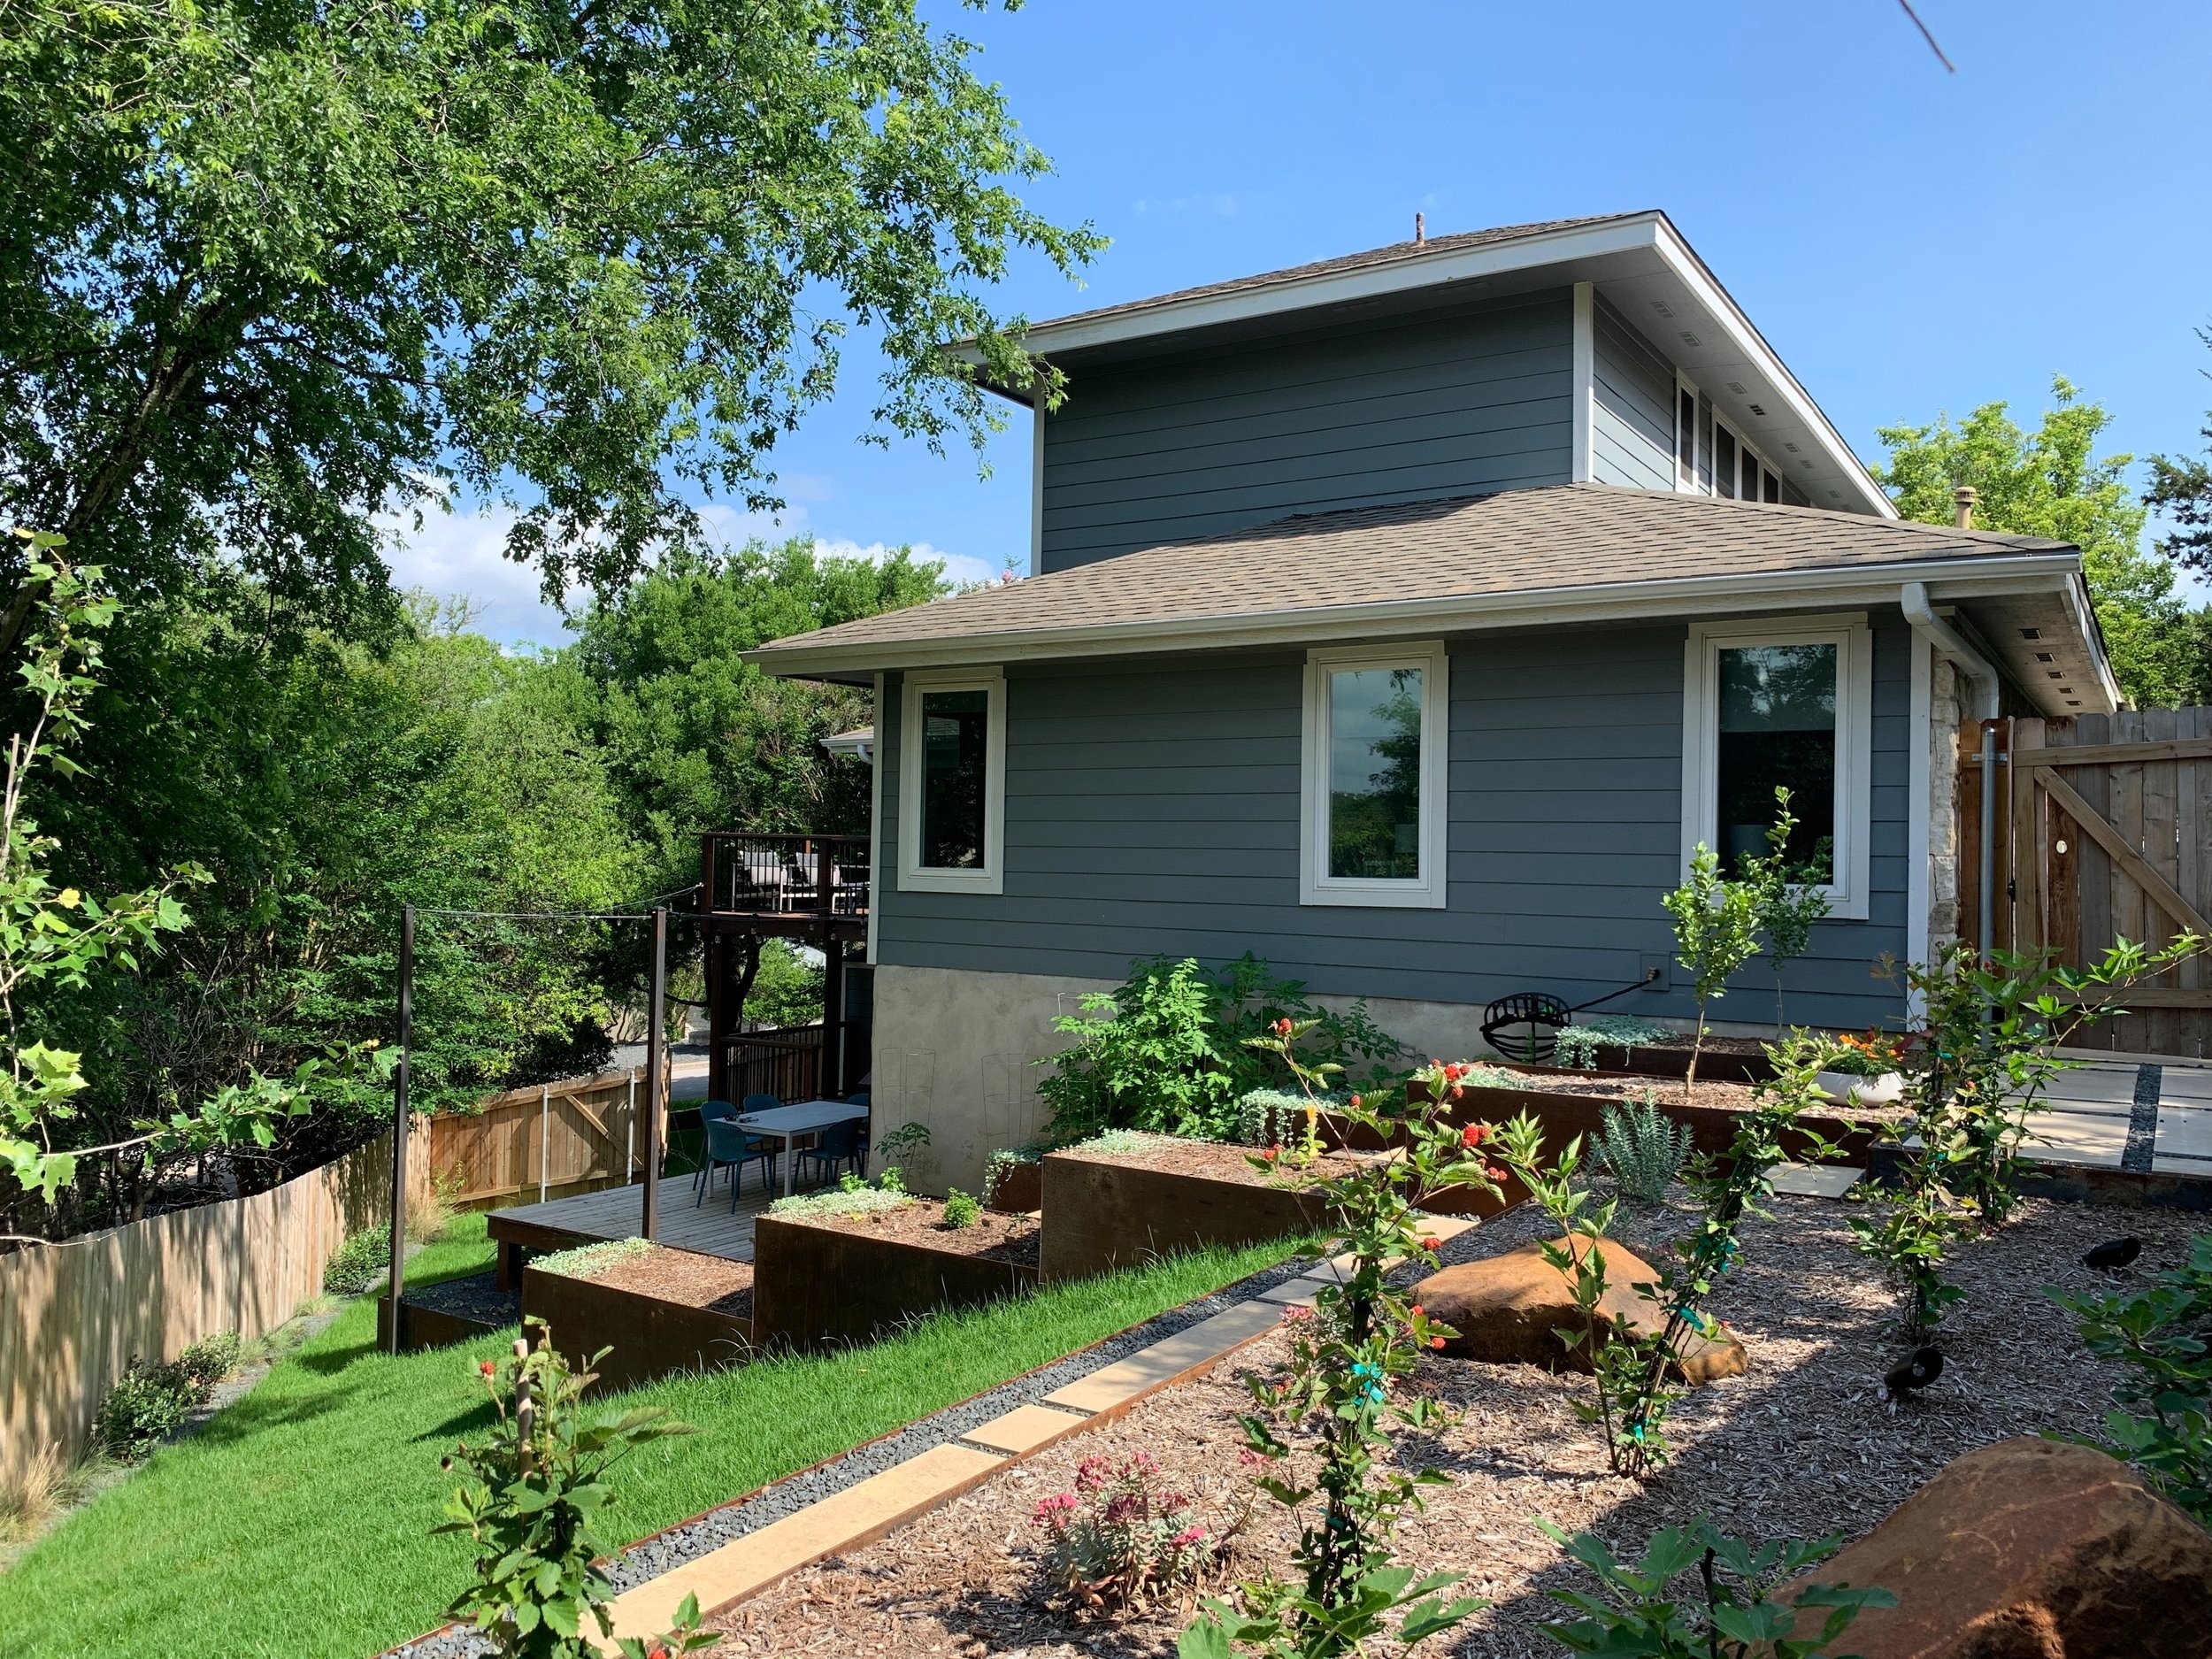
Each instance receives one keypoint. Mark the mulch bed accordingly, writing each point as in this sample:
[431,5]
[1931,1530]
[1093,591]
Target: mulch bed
[1718,1092]
[992,1237]
[1220,1161]
[1805,1444]
[685,1277]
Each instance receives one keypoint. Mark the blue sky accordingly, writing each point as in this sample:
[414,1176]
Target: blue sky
[1910,240]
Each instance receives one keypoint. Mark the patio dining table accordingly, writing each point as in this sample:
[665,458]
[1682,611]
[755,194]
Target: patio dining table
[786,1124]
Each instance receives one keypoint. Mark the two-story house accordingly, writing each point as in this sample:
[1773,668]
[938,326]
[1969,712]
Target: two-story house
[1407,619]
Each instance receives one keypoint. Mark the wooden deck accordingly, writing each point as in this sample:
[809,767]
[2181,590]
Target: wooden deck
[619,1213]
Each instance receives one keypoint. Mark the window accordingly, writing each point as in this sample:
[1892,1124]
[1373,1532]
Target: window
[1782,704]
[952,783]
[1712,458]
[1373,783]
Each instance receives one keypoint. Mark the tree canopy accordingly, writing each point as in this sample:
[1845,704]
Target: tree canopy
[269,270]
[2050,482]
[2181,489]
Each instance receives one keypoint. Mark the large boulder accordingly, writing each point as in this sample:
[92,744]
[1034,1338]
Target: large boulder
[2030,1549]
[1509,1308]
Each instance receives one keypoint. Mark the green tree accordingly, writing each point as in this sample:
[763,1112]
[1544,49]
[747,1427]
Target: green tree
[698,738]
[268,271]
[2181,490]
[2051,482]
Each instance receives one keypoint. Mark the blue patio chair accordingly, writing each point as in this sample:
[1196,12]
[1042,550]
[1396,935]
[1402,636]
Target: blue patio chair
[839,1143]
[728,1144]
[710,1111]
[758,1103]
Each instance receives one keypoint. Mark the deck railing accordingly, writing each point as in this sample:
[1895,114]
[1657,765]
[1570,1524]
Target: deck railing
[786,1063]
[746,872]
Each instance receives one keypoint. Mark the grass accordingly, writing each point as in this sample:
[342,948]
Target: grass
[298,1523]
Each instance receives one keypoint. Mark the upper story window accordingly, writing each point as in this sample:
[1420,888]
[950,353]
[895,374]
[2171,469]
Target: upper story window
[1372,779]
[952,782]
[1712,458]
[1782,704]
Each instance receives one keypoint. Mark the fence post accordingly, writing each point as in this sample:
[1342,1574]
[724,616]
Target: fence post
[545,1135]
[655,1094]
[629,1134]
[398,1282]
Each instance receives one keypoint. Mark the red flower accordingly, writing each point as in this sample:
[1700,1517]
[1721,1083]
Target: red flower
[1414,1312]
[1355,1102]
[1428,1244]
[1474,1134]
[1272,1153]
[658,1650]
[1282,1028]
[1436,1341]
[1454,1093]
[1495,1173]
[487,1367]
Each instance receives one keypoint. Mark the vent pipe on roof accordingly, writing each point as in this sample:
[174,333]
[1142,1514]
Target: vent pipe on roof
[1420,229]
[1962,500]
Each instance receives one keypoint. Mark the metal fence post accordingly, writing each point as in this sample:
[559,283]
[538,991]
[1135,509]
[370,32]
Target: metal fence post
[398,1283]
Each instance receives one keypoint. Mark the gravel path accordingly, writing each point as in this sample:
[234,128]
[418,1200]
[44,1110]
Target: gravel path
[1804,1444]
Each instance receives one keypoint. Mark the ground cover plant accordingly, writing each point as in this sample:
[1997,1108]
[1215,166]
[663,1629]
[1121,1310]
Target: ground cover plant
[330,1467]
[152,1398]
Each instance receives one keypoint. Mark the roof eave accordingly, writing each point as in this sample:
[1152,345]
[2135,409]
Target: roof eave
[1950,579]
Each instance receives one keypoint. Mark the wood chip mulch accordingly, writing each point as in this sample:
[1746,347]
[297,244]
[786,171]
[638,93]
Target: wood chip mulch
[992,1236]
[685,1277]
[1805,1444]
[1219,1160]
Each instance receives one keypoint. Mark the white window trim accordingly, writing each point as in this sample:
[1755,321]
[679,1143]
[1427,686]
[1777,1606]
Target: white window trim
[913,877]
[1316,885]
[1854,738]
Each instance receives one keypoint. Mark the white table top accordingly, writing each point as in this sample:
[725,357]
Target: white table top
[802,1115]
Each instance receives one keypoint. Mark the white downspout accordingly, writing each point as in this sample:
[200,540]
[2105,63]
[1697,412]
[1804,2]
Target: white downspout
[1951,645]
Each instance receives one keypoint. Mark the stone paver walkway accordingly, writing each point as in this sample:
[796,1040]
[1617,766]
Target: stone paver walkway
[2120,1114]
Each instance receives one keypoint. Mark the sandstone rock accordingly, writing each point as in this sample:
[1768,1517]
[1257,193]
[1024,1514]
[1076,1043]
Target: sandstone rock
[2030,1549]
[1508,1308]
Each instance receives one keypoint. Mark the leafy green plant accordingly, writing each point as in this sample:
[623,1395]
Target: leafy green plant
[1643,1148]
[843,1200]
[1789,899]
[148,1402]
[1334,1396]
[1974,1079]
[362,1263]
[961,1210]
[1002,1163]
[1122,1539]
[1716,932]
[898,1145]
[1637,1615]
[589,1261]
[1577,1045]
[535,1510]
[2161,1334]
[1169,1051]
[1272,1116]
[211,1359]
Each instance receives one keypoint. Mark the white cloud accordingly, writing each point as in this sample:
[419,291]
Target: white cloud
[458,554]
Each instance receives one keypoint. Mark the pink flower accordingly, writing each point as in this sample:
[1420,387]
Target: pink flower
[1355,1102]
[1188,1537]
[1296,1315]
[1125,1508]
[1251,1459]
[1282,1028]
[1092,1473]
[1052,1511]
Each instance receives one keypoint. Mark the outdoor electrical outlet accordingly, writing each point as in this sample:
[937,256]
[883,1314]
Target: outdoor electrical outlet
[1658,972]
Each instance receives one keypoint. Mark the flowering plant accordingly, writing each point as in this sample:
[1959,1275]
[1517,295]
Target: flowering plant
[1122,1540]
[1335,1395]
[1874,1054]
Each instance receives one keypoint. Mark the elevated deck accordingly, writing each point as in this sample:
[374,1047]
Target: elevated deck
[811,887]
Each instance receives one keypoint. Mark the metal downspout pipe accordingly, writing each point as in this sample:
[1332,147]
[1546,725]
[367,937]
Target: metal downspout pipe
[1951,645]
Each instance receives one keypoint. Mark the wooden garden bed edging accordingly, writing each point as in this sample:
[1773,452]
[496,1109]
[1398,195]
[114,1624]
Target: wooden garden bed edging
[815,1284]
[651,1336]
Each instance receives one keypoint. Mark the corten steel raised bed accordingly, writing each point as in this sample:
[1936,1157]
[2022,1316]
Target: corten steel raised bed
[817,1286]
[1723,1065]
[422,1327]
[1020,1190]
[650,1337]
[1104,1212]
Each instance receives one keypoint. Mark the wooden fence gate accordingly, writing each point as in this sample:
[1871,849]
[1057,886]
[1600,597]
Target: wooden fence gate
[2106,834]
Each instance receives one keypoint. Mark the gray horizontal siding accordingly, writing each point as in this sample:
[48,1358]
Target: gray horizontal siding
[1152,808]
[1456,403]
[1632,406]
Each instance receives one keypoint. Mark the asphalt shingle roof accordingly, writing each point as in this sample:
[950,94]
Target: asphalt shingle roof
[1522,541]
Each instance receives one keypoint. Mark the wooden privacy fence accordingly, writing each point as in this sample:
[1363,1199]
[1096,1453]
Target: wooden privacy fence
[2107,835]
[548,1140]
[73,1314]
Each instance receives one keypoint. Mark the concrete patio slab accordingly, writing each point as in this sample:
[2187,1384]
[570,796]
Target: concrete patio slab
[2185,1132]
[2192,1085]
[1817,1181]
[844,1520]
[1117,1386]
[1296,1293]
[2079,1138]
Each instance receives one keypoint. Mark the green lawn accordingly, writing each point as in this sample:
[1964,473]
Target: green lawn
[298,1523]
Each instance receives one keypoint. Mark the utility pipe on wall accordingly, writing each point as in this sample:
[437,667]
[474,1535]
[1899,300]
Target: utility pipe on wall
[1951,645]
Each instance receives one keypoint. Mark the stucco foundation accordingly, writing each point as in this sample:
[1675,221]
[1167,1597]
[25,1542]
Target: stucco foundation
[956,1051]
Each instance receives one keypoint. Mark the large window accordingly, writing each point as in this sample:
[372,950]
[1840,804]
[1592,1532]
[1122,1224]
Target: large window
[1712,458]
[1782,705]
[1373,782]
[952,782]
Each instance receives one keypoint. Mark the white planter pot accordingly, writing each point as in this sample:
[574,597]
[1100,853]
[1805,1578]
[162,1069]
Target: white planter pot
[1846,1090]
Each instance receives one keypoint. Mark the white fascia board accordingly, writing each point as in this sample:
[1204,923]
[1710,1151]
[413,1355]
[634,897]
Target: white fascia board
[2085,620]
[1333,287]
[1690,271]
[1460,613]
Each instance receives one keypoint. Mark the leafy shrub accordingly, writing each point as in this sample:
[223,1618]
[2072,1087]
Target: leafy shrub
[2160,1333]
[534,1510]
[1170,1051]
[361,1263]
[1639,1617]
[1120,1539]
[961,1210]
[898,1145]
[1643,1148]
[211,1359]
[148,1402]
